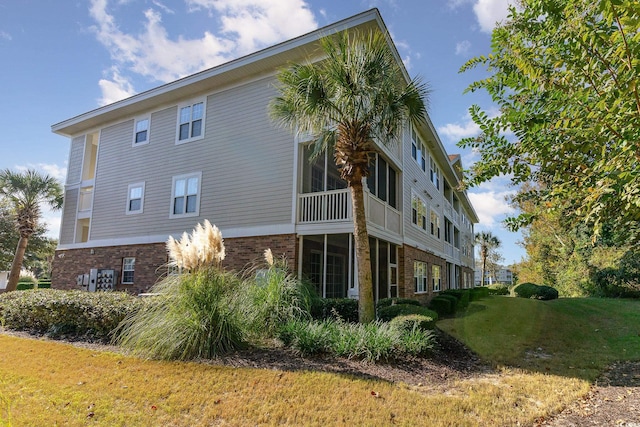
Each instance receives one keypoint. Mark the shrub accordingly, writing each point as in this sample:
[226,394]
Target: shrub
[463,296]
[442,306]
[388,313]
[27,279]
[531,290]
[478,293]
[194,315]
[386,302]
[24,286]
[75,314]
[408,322]
[498,289]
[452,299]
[44,284]
[274,298]
[337,308]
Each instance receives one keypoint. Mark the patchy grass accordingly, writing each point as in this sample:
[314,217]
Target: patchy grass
[572,337]
[49,383]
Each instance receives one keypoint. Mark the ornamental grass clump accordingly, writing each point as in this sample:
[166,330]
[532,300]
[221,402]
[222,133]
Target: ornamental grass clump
[274,296]
[194,313]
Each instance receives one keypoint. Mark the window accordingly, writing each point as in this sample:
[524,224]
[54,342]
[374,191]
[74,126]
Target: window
[418,151]
[435,278]
[190,122]
[448,231]
[185,200]
[128,267]
[435,224]
[382,180]
[435,173]
[141,132]
[418,212]
[420,276]
[135,198]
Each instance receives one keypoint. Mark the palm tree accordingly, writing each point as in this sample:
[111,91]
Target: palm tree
[488,242]
[26,192]
[357,94]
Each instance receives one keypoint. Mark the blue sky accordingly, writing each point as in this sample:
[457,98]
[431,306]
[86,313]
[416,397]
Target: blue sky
[63,58]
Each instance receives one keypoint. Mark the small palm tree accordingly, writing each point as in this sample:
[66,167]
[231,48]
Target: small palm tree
[356,95]
[26,192]
[487,242]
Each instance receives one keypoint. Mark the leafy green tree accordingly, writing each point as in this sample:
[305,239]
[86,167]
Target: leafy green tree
[566,78]
[25,193]
[356,95]
[41,248]
[487,244]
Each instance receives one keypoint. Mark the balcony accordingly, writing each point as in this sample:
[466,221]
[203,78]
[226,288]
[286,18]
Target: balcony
[335,206]
[85,202]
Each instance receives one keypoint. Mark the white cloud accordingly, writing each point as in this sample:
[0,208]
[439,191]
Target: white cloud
[457,131]
[463,47]
[246,25]
[489,12]
[115,88]
[55,171]
[491,206]
[6,36]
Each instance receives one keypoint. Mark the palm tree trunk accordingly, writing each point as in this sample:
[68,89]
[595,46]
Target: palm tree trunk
[16,266]
[484,264]
[366,309]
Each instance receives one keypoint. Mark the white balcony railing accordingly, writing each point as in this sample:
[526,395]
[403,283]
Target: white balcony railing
[333,206]
[86,199]
[324,206]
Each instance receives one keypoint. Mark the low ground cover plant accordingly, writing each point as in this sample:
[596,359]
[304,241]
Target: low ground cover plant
[388,313]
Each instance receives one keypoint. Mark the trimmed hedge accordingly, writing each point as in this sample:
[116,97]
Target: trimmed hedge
[74,314]
[388,313]
[479,293]
[330,308]
[386,302]
[533,291]
[463,296]
[498,289]
[442,306]
[452,299]
[24,286]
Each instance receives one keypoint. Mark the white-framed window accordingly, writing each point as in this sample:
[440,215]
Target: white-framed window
[185,195]
[128,268]
[135,198]
[383,180]
[418,150]
[420,277]
[435,173]
[434,220]
[418,212]
[141,131]
[435,278]
[191,121]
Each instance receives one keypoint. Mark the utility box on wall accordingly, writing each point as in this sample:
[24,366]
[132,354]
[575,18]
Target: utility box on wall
[101,280]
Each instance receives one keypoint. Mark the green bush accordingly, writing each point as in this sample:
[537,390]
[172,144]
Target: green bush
[498,289]
[478,293]
[388,313]
[75,314]
[531,290]
[336,308]
[442,306]
[463,296]
[272,299]
[195,315]
[408,322]
[24,286]
[372,342]
[452,299]
[44,284]
[386,302]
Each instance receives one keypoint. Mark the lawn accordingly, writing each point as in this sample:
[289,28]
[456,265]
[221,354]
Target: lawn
[572,337]
[546,354]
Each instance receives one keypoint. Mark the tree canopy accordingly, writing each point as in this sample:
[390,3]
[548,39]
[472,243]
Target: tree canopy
[565,76]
